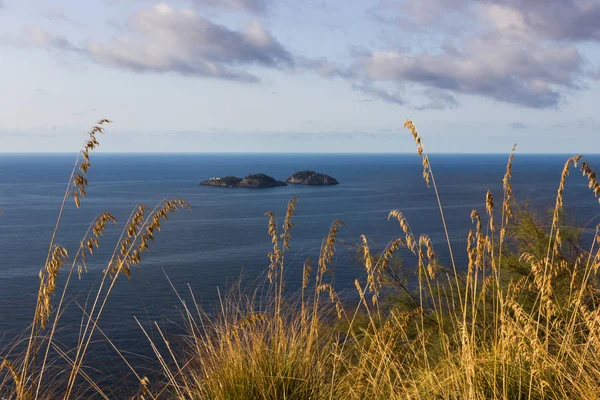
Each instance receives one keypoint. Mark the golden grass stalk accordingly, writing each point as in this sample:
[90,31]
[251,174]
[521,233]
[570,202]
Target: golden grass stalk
[134,240]
[428,176]
[76,187]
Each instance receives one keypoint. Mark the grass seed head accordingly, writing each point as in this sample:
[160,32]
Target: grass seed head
[47,288]
[288,224]
[489,208]
[80,181]
[508,192]
[328,247]
[408,124]
[411,243]
[425,241]
[306,272]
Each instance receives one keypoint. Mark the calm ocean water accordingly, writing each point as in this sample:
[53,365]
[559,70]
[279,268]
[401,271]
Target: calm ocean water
[225,236]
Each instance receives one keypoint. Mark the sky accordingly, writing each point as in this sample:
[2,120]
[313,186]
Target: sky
[476,76]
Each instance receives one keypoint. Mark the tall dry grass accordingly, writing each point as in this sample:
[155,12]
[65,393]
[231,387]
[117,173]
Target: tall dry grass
[519,321]
[26,374]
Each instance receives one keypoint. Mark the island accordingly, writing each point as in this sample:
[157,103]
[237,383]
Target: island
[311,178]
[250,181]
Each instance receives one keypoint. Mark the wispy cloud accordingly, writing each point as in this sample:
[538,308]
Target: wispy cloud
[438,100]
[254,6]
[57,14]
[36,36]
[571,20]
[165,39]
[324,67]
[497,67]
[379,93]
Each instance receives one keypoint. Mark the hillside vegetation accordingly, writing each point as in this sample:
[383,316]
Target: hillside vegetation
[519,321]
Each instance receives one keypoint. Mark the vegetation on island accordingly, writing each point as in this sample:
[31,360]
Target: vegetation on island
[519,321]
[226,181]
[250,181]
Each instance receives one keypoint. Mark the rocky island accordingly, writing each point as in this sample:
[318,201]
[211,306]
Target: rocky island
[250,181]
[311,178]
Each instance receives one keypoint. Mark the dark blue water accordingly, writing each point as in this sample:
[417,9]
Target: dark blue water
[225,235]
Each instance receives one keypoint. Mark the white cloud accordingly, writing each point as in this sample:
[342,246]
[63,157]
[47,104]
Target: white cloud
[164,39]
[519,52]
[504,18]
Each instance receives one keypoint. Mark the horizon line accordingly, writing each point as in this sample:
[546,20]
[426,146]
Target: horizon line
[281,153]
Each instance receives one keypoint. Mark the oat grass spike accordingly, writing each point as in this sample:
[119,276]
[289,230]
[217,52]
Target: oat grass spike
[430,179]
[325,258]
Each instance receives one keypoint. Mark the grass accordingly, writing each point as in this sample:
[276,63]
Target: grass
[522,321]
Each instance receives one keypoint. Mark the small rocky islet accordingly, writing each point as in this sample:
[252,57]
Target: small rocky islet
[265,181]
[311,178]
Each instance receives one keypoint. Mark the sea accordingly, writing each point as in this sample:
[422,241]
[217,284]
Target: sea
[223,240]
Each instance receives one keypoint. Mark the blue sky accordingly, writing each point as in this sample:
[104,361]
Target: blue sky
[301,76]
